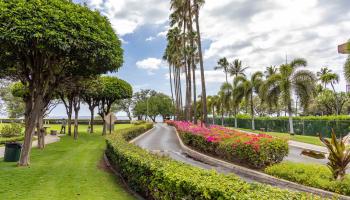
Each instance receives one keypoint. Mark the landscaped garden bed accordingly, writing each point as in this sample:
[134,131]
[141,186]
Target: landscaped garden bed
[314,175]
[157,177]
[255,151]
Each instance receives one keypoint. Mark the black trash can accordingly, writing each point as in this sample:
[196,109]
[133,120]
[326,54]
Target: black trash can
[12,152]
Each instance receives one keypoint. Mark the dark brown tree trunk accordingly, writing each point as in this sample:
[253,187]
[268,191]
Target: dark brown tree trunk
[92,118]
[33,108]
[40,131]
[76,116]
[199,43]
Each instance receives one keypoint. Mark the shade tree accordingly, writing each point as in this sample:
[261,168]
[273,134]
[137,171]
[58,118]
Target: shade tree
[60,41]
[112,89]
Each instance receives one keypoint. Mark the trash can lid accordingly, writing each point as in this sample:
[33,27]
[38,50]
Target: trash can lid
[13,145]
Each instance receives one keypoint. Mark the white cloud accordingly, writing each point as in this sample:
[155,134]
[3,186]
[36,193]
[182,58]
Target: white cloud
[261,33]
[150,39]
[128,15]
[162,34]
[150,64]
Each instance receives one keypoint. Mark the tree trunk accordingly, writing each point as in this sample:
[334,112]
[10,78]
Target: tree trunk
[194,94]
[69,122]
[204,93]
[92,118]
[291,128]
[213,110]
[104,127]
[252,111]
[76,117]
[33,107]
[171,85]
[40,131]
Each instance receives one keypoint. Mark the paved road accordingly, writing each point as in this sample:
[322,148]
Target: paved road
[163,140]
[48,140]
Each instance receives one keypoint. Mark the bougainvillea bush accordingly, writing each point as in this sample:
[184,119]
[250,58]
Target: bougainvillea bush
[254,150]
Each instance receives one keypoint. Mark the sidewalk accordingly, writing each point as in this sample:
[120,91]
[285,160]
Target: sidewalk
[48,140]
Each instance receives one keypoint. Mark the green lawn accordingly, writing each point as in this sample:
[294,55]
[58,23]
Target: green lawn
[65,170]
[299,138]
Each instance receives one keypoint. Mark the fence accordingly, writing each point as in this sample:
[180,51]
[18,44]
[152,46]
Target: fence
[301,127]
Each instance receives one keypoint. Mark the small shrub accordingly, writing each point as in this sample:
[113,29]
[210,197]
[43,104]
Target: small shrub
[158,177]
[339,156]
[11,130]
[314,175]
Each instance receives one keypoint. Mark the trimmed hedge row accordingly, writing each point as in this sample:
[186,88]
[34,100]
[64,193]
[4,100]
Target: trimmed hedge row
[318,176]
[11,139]
[158,177]
[310,126]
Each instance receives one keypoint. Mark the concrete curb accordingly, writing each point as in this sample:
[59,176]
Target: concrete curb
[142,135]
[255,175]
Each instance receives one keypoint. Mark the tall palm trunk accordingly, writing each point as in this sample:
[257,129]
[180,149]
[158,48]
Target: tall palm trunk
[193,66]
[213,110]
[204,92]
[171,84]
[236,111]
[252,111]
[290,115]
[194,93]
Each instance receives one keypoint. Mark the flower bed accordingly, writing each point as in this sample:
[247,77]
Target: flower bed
[156,177]
[256,151]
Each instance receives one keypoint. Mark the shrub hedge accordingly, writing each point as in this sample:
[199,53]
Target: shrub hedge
[11,139]
[314,175]
[308,125]
[158,177]
[256,151]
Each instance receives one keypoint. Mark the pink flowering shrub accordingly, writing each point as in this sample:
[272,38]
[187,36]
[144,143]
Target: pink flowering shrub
[253,150]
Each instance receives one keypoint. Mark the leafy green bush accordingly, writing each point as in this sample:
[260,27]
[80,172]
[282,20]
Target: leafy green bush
[138,122]
[313,175]
[158,177]
[11,130]
[11,139]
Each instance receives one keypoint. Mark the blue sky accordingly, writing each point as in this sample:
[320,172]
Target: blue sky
[260,33]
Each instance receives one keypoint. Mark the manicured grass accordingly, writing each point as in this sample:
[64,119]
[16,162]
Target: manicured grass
[64,170]
[299,138]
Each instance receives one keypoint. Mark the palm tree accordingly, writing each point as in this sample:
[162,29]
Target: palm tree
[173,55]
[223,64]
[236,69]
[213,102]
[197,4]
[332,78]
[322,75]
[247,88]
[290,79]
[270,71]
